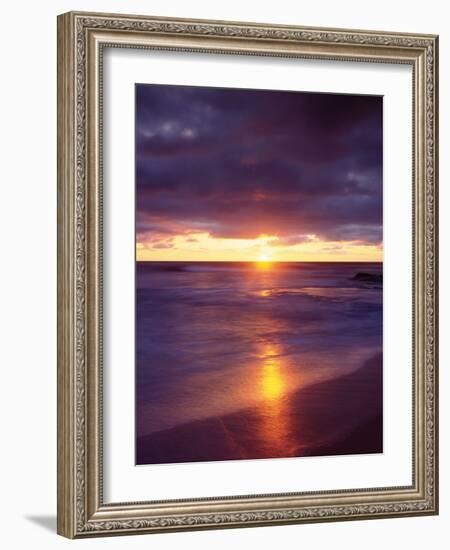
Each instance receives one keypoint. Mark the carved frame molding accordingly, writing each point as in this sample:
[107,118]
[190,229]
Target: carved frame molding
[81,39]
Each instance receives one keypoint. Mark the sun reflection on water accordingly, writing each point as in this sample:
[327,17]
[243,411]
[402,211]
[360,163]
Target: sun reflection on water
[275,422]
[266,293]
[273,385]
[264,264]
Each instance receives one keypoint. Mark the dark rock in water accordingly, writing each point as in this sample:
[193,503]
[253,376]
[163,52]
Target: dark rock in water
[368,277]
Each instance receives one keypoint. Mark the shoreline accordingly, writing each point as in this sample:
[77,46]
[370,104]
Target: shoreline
[339,416]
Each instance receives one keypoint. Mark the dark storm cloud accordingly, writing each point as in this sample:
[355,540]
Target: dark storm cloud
[239,163]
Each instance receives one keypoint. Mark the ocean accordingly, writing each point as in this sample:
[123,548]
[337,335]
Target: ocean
[240,360]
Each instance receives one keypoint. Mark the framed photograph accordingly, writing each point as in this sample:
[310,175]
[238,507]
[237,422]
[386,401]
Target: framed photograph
[247,274]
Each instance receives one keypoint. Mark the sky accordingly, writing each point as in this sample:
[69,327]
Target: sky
[257,175]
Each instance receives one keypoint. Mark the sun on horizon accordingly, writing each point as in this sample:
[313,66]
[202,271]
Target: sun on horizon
[265,256]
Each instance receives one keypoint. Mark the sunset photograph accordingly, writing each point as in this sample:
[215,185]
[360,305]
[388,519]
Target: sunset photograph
[259,274]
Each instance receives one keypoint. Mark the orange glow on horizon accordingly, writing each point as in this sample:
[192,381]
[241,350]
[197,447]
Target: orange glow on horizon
[264,250]
[263,265]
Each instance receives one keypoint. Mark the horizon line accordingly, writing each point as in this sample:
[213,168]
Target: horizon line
[264,261]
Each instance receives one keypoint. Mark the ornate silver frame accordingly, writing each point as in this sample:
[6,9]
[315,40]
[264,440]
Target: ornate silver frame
[81,39]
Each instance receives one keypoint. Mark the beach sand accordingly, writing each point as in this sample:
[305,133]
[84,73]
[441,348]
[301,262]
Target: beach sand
[336,417]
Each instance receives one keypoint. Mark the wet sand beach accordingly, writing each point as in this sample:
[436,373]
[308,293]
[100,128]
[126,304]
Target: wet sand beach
[336,417]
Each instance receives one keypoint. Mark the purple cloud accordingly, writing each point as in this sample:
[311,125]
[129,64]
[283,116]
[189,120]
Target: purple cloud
[239,163]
